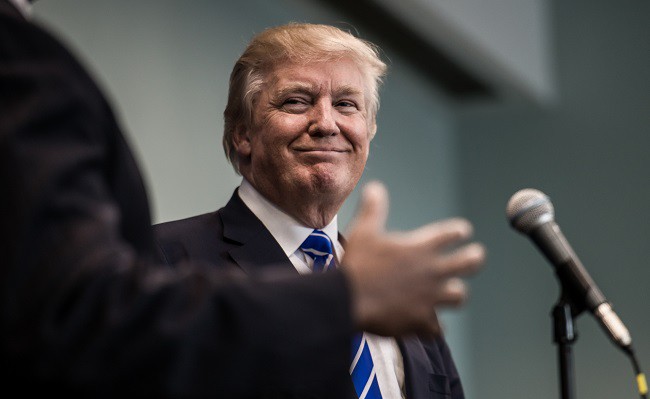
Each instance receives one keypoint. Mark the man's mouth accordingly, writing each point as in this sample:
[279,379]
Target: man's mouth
[320,149]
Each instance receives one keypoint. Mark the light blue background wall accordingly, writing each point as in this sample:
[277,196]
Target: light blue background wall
[589,153]
[166,65]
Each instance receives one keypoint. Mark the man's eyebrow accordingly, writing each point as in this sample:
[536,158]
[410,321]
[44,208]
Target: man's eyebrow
[348,90]
[296,87]
[312,90]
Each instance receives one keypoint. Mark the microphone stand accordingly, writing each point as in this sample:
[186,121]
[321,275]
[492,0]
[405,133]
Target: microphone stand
[564,336]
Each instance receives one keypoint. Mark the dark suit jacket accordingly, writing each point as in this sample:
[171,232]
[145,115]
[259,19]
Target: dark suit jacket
[234,239]
[85,307]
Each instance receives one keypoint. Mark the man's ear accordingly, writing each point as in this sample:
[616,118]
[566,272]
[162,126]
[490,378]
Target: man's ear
[242,142]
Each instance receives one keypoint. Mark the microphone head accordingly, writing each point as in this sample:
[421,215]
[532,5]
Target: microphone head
[528,209]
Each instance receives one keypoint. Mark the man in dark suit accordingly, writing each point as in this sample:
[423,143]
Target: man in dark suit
[301,113]
[87,309]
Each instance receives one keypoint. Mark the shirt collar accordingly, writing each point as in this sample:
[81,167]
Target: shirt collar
[286,230]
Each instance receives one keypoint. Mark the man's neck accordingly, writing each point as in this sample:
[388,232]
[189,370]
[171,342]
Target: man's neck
[301,202]
[287,231]
[250,193]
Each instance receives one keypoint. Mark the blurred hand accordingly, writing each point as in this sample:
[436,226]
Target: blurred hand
[399,279]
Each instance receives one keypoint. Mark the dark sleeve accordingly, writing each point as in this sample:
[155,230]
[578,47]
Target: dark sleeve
[85,308]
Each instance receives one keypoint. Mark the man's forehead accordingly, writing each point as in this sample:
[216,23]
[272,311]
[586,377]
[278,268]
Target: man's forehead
[286,81]
[311,87]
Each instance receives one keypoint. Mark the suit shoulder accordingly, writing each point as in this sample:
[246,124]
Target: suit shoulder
[181,227]
[188,238]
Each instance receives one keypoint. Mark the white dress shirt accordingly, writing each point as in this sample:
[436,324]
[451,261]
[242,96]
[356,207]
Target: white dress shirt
[290,234]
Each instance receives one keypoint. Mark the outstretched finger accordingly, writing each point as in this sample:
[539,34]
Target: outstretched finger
[373,209]
[441,234]
[452,293]
[463,261]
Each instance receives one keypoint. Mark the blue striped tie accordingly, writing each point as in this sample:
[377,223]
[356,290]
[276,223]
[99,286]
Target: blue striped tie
[318,246]
[362,369]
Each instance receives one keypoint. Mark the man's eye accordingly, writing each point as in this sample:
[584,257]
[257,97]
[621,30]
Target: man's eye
[295,104]
[347,105]
[294,101]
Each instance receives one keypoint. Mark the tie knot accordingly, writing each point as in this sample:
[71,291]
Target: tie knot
[318,246]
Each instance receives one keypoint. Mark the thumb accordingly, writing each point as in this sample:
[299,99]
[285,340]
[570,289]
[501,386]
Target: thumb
[373,209]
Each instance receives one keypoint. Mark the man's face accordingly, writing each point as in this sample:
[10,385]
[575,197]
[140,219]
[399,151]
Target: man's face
[309,136]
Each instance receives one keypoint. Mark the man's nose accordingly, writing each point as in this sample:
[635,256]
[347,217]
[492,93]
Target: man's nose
[323,121]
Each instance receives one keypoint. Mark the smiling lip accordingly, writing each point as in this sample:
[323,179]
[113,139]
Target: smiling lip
[320,149]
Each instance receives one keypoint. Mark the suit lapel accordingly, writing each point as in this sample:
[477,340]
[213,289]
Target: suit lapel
[257,248]
[417,368]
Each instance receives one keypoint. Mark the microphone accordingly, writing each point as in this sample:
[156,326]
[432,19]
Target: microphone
[530,212]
